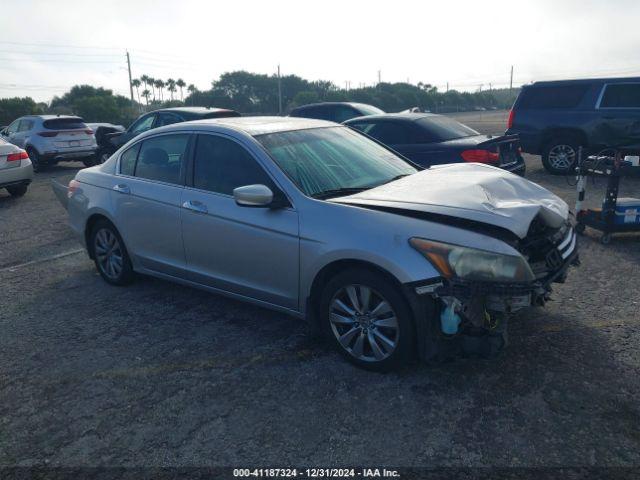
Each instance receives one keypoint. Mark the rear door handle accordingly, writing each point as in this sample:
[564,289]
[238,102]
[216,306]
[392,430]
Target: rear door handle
[195,206]
[122,188]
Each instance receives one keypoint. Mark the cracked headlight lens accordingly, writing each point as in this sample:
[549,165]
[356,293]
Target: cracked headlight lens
[473,264]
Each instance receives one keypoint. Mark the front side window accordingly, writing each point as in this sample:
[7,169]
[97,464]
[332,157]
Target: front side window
[623,95]
[221,165]
[160,158]
[142,125]
[324,160]
[13,128]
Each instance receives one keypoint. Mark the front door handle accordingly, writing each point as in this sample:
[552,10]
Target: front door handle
[122,188]
[195,206]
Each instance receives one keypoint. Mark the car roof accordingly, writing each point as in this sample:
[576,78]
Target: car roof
[548,83]
[332,104]
[194,111]
[50,117]
[404,116]
[252,126]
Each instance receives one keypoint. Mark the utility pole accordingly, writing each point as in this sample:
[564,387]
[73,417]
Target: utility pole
[447,86]
[511,80]
[279,92]
[130,80]
[379,76]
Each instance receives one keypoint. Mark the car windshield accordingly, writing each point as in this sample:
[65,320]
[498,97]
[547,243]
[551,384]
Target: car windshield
[440,128]
[331,161]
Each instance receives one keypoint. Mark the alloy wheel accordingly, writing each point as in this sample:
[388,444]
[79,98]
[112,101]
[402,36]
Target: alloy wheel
[108,253]
[364,323]
[562,157]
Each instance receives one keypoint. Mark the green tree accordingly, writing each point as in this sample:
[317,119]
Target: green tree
[159,84]
[12,108]
[135,83]
[146,94]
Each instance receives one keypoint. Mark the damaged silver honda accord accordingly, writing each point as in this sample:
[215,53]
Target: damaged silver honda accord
[307,217]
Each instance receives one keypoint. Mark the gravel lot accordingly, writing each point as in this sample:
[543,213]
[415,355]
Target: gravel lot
[161,375]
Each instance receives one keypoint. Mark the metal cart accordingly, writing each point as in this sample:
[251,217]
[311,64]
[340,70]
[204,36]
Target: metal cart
[613,169]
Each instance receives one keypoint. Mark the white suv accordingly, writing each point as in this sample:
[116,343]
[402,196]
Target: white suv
[51,138]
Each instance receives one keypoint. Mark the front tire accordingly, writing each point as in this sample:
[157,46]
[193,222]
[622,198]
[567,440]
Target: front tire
[110,254]
[560,156]
[17,190]
[367,319]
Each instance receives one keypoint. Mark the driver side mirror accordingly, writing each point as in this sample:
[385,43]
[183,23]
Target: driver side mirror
[4,131]
[259,196]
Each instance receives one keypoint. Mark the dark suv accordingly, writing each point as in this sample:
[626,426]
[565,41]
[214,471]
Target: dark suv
[554,118]
[335,111]
[110,142]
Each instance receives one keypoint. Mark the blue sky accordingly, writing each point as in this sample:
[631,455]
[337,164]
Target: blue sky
[46,47]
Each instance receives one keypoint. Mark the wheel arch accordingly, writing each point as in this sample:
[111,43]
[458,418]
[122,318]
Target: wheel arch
[331,270]
[89,224]
[564,132]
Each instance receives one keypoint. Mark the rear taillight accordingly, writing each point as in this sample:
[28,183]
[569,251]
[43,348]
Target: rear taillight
[480,156]
[48,134]
[512,114]
[14,157]
[73,186]
[88,131]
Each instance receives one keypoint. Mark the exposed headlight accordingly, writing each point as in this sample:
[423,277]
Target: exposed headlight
[473,264]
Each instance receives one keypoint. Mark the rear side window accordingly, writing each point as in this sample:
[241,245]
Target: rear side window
[128,160]
[318,112]
[390,133]
[441,129]
[623,95]
[221,165]
[25,125]
[64,124]
[160,158]
[562,96]
[342,113]
[167,119]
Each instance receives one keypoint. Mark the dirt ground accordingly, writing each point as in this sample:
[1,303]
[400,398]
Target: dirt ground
[162,375]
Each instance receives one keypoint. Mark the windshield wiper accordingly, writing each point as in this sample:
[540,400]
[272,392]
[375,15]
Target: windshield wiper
[336,192]
[397,177]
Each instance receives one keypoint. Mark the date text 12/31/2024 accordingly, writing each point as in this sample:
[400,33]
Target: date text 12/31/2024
[315,473]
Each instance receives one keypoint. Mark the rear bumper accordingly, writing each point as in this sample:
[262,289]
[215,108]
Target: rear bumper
[529,142]
[21,175]
[518,167]
[69,154]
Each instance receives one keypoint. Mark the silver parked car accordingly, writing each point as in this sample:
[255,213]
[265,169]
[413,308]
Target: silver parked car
[51,138]
[315,220]
[16,171]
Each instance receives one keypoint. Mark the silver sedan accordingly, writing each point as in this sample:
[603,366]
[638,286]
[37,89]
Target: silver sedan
[16,171]
[307,217]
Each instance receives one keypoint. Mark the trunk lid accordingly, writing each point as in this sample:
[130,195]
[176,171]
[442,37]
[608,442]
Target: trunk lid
[471,191]
[5,150]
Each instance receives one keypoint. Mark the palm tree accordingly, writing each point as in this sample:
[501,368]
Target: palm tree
[145,79]
[135,83]
[152,82]
[180,83]
[192,88]
[145,94]
[159,83]
[171,86]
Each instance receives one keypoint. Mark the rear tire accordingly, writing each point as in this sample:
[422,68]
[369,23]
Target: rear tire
[560,156]
[366,318]
[17,190]
[90,161]
[110,254]
[36,161]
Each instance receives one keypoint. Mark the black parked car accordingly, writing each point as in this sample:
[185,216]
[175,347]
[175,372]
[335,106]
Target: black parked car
[335,111]
[110,142]
[428,139]
[553,119]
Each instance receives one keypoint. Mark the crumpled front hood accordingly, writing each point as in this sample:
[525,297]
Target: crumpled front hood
[470,191]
